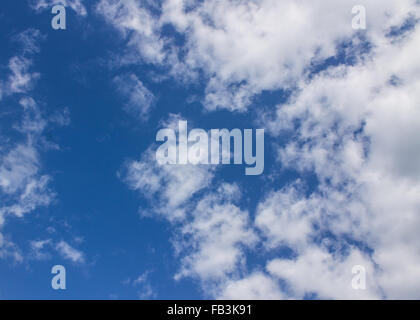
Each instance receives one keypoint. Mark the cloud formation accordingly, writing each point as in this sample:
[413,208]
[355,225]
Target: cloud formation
[76,5]
[353,123]
[139,98]
[24,184]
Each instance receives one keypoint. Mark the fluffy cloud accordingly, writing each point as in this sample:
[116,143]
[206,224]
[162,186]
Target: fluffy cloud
[216,235]
[257,286]
[283,218]
[354,125]
[358,129]
[327,275]
[137,25]
[246,47]
[170,187]
[210,230]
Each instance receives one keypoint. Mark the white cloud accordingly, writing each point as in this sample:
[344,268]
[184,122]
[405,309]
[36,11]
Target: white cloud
[210,230]
[328,276]
[249,46]
[244,47]
[145,291]
[140,99]
[215,238]
[9,249]
[283,219]
[21,181]
[61,118]
[257,286]
[356,127]
[70,253]
[38,246]
[137,25]
[32,122]
[35,193]
[141,278]
[359,133]
[20,79]
[30,40]
[169,187]
[23,185]
[76,5]
[17,168]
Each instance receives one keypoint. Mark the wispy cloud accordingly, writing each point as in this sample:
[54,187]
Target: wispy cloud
[76,5]
[70,253]
[139,99]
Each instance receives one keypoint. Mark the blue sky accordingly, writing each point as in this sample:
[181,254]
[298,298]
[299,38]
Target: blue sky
[79,185]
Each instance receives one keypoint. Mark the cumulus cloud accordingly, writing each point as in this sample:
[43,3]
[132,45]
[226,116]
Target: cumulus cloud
[180,183]
[257,286]
[358,132]
[244,48]
[169,187]
[283,218]
[209,229]
[215,237]
[354,125]
[327,275]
